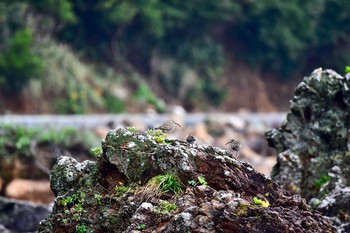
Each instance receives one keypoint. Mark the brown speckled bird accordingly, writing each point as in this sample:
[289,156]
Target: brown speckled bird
[168,127]
[235,145]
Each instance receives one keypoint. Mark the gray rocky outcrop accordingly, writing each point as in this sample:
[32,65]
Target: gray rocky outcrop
[210,191]
[313,145]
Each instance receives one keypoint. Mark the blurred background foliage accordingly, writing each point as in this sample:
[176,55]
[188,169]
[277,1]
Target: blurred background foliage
[167,43]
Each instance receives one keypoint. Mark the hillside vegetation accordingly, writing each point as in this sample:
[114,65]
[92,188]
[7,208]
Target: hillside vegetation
[65,56]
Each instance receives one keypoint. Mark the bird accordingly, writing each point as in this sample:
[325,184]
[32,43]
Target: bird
[190,139]
[168,127]
[235,145]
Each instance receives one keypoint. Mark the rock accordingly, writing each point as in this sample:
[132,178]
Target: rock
[30,190]
[3,229]
[21,216]
[210,191]
[314,158]
[336,205]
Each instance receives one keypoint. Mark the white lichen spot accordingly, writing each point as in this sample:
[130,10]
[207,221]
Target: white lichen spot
[317,74]
[131,144]
[141,138]
[221,158]
[127,133]
[146,206]
[81,166]
[187,218]
[185,167]
[63,160]
[231,160]
[227,173]
[184,155]
[112,133]
[224,196]
[70,176]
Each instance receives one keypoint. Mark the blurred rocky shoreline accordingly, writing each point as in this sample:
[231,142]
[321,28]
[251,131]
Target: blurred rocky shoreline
[214,129]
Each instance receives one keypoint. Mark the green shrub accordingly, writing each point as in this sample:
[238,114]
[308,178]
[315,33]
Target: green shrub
[145,95]
[18,63]
[167,183]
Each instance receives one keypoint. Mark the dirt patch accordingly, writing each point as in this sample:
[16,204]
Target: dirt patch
[249,90]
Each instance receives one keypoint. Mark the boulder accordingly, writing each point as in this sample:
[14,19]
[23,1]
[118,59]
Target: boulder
[146,182]
[313,144]
[21,216]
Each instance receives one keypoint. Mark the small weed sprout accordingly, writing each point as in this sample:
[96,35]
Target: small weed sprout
[202,180]
[66,201]
[141,227]
[263,203]
[81,229]
[132,129]
[347,69]
[98,198]
[66,221]
[121,189]
[157,135]
[97,152]
[323,180]
[192,183]
[166,207]
[74,205]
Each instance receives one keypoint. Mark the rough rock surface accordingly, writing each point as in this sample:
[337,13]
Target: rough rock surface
[313,145]
[20,216]
[218,195]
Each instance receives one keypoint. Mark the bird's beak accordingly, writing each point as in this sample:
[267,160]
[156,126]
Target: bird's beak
[176,124]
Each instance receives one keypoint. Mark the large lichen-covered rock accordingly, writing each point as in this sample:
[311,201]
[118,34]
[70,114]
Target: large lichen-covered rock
[313,144]
[220,194]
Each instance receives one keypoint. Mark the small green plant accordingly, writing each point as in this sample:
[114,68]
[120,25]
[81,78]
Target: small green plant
[324,179]
[347,69]
[121,189]
[202,181]
[157,135]
[166,183]
[97,152]
[98,198]
[263,203]
[132,129]
[74,205]
[192,183]
[67,201]
[141,227]
[166,207]
[66,221]
[81,229]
